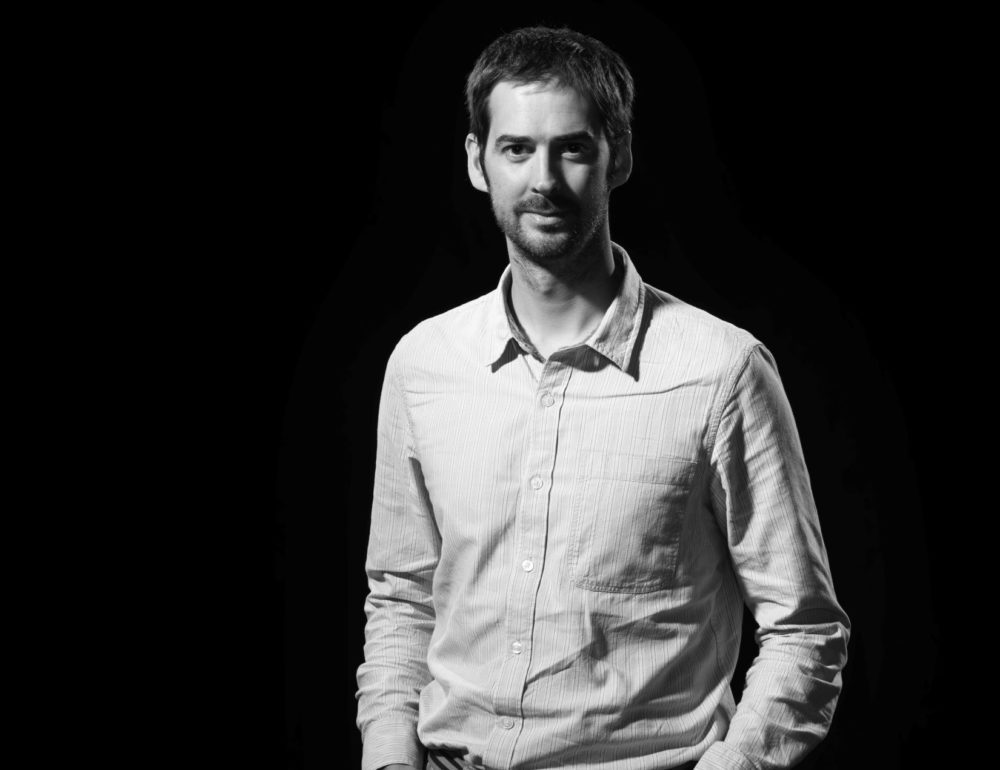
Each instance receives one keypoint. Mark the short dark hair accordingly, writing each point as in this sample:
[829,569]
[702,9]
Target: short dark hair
[544,54]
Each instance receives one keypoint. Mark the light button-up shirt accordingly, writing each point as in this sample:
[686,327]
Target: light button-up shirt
[561,549]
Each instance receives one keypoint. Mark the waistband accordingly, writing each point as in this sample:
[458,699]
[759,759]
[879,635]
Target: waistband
[449,759]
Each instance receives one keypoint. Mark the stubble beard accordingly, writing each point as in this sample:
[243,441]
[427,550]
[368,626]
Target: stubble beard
[558,251]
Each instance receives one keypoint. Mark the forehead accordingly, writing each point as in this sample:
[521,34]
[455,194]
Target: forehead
[540,109]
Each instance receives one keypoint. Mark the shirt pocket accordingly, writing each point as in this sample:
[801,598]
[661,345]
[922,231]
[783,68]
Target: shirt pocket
[628,514]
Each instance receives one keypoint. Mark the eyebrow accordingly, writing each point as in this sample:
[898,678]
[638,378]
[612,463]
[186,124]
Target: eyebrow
[573,137]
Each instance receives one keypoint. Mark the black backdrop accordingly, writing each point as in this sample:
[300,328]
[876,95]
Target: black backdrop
[783,180]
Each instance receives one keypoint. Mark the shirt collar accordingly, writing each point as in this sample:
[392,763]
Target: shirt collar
[614,337]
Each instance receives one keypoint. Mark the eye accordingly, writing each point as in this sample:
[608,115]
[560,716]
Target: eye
[576,148]
[516,150]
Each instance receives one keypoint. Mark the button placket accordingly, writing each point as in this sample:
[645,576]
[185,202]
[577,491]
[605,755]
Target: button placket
[530,543]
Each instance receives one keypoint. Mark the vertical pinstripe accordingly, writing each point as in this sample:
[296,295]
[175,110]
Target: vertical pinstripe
[557,567]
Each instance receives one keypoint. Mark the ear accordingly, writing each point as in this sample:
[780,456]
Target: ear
[476,174]
[622,169]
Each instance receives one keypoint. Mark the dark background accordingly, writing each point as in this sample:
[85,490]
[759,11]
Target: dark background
[787,178]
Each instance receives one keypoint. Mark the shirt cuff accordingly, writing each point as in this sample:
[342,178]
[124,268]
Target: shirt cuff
[722,756]
[389,742]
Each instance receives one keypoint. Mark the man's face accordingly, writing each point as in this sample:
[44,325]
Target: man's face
[545,167]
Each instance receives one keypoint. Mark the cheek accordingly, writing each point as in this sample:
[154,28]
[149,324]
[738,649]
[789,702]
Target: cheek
[502,200]
[588,181]
[503,188]
[597,188]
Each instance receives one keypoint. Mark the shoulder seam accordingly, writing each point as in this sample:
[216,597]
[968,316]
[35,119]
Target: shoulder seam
[729,389]
[398,377]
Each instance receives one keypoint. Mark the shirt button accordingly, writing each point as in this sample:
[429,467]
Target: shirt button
[516,648]
[536,482]
[506,723]
[547,399]
[527,566]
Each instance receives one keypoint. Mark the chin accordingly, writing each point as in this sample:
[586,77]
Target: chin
[548,248]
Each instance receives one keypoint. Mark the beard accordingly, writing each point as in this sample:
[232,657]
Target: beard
[556,245]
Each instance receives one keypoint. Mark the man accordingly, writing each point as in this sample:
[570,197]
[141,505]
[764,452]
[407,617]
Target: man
[580,480]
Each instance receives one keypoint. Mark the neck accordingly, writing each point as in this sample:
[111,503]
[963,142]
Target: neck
[560,304]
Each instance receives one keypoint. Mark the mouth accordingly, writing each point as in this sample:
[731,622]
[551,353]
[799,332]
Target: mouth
[554,214]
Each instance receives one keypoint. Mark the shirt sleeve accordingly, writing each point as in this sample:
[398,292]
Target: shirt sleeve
[764,505]
[403,550]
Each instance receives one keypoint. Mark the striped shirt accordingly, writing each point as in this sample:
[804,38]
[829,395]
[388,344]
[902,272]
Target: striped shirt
[560,549]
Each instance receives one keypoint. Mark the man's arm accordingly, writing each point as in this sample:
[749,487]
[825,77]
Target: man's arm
[403,550]
[764,506]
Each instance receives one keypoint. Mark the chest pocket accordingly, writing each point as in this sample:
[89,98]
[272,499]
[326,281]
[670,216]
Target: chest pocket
[628,514]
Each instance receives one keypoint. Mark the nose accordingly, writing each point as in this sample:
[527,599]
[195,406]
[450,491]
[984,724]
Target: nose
[546,175]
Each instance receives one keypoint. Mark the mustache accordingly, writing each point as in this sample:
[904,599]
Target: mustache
[540,205]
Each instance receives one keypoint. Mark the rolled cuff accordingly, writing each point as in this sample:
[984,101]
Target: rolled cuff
[721,756]
[391,741]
